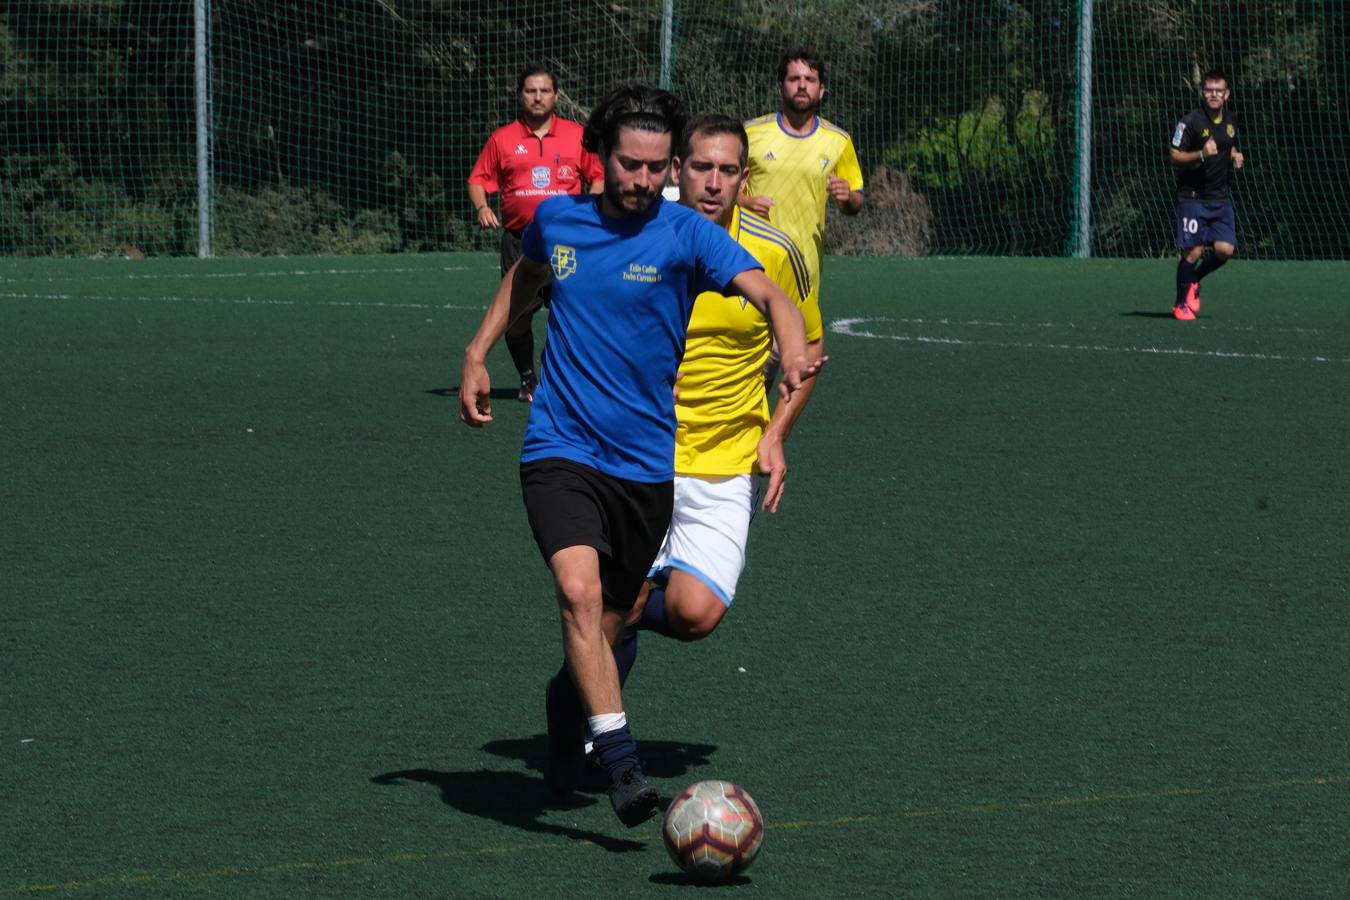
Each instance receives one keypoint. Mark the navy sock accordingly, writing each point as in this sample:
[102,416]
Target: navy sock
[616,750]
[625,652]
[1185,275]
[654,613]
[1208,265]
[521,348]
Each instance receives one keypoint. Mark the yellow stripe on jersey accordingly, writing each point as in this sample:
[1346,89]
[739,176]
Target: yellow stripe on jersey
[756,226]
[722,407]
[792,170]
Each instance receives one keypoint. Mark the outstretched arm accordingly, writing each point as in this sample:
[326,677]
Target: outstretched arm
[788,329]
[772,460]
[514,295]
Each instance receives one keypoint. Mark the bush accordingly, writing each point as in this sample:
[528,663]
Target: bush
[48,209]
[297,221]
[895,220]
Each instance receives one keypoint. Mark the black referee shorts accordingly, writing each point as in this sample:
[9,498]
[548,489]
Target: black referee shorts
[510,253]
[571,505]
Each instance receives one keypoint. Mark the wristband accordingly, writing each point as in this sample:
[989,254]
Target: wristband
[479,209]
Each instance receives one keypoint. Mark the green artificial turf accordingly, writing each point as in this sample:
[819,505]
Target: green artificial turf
[1056,605]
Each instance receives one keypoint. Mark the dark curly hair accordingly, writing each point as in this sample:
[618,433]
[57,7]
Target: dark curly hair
[642,108]
[807,55]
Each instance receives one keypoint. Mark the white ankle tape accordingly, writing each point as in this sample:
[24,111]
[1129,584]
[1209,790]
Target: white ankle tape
[607,722]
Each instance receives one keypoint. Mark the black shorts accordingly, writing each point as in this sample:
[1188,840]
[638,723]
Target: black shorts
[510,253]
[571,505]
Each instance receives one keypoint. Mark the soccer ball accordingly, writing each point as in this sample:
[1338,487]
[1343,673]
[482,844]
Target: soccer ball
[713,830]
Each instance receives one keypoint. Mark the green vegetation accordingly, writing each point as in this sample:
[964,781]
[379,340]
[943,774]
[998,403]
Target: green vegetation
[351,127]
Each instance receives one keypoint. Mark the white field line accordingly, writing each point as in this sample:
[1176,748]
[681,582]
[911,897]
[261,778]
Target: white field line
[282,273]
[240,301]
[851,327]
[1072,326]
[855,328]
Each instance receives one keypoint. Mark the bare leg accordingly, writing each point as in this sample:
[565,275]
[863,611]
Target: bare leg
[588,629]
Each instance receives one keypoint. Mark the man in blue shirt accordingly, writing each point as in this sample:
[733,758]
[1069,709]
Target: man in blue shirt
[597,464]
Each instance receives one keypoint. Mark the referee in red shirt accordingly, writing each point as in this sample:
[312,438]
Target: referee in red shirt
[529,160]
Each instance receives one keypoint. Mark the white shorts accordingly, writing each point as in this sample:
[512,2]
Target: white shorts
[708,531]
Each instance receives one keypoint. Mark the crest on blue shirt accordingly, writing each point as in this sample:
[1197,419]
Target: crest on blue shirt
[564,260]
[541,176]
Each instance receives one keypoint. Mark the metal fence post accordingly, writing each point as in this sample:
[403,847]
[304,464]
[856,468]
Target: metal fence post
[202,103]
[1082,236]
[667,29]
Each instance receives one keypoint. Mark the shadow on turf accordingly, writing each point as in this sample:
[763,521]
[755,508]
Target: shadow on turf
[684,880]
[1140,313]
[506,393]
[510,798]
[660,759]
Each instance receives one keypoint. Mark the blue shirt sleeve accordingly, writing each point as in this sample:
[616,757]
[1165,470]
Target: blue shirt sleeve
[718,257]
[532,238]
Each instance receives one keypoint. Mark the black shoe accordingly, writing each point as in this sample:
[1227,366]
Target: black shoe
[528,384]
[566,753]
[593,779]
[633,797]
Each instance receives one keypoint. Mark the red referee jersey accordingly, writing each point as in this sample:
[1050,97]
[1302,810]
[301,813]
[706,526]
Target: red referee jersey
[528,169]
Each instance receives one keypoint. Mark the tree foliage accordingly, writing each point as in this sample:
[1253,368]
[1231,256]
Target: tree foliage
[344,127]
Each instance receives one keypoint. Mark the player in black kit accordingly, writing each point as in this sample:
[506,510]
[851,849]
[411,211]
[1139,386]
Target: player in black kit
[1204,151]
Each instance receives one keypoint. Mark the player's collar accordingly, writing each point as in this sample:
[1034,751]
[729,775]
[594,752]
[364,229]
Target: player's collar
[815,124]
[733,225]
[527,131]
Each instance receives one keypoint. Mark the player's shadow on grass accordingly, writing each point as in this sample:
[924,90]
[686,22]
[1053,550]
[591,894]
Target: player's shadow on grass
[1139,313]
[508,797]
[684,880]
[500,393]
[660,759]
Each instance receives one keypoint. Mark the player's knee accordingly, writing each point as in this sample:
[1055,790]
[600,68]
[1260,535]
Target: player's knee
[693,618]
[1224,252]
[578,592]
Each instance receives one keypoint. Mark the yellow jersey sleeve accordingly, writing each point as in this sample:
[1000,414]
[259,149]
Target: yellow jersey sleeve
[848,167]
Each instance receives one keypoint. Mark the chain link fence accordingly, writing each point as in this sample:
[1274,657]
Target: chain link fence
[350,127]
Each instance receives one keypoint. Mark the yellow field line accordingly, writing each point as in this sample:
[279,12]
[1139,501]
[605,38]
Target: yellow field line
[938,812]
[1063,802]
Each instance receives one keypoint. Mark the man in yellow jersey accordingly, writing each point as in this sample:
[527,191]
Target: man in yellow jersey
[725,432]
[798,161]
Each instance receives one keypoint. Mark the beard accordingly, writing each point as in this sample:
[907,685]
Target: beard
[633,202]
[803,104]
